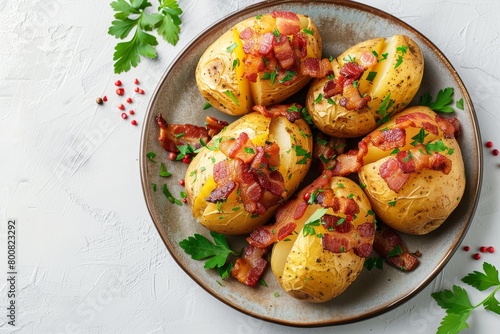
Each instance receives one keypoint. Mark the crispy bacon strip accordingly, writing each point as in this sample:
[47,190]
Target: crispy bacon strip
[290,111]
[287,23]
[387,241]
[347,163]
[389,139]
[249,268]
[316,68]
[173,135]
[450,126]
[342,239]
[266,235]
[393,175]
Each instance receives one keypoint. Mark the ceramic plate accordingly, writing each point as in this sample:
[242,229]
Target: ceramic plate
[341,24]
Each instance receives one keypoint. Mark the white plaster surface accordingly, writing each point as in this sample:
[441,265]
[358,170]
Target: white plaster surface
[89,257]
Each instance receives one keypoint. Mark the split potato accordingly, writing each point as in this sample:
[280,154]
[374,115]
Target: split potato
[237,181]
[382,74]
[246,67]
[413,171]
[333,236]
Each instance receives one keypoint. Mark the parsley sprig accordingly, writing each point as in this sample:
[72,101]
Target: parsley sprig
[443,101]
[132,14]
[215,253]
[457,304]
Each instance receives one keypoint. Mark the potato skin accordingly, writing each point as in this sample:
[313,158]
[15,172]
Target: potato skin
[230,217]
[424,202]
[398,76]
[303,268]
[429,196]
[224,85]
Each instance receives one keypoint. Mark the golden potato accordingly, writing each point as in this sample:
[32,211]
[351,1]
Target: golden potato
[234,78]
[235,213]
[387,75]
[327,249]
[416,179]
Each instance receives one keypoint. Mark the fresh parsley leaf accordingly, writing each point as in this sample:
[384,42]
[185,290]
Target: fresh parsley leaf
[442,103]
[200,248]
[460,104]
[170,197]
[457,304]
[395,251]
[437,146]
[207,106]
[371,76]
[419,137]
[130,15]
[483,281]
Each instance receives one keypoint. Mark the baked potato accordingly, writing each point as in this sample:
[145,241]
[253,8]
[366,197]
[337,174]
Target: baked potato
[413,170]
[257,62]
[334,234]
[236,182]
[372,81]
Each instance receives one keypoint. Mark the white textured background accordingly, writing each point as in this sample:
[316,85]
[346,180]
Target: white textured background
[89,257]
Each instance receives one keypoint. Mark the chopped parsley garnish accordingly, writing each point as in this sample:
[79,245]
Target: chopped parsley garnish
[270,76]
[392,203]
[301,152]
[460,104]
[419,137]
[170,197]
[249,150]
[258,17]
[153,185]
[395,251]
[383,110]
[377,262]
[319,98]
[306,116]
[151,156]
[179,135]
[215,144]
[231,47]
[330,101]
[232,97]
[277,35]
[313,221]
[207,106]
[437,146]
[371,76]
[163,171]
[442,103]
[289,76]
[401,49]
[236,63]
[395,151]
[307,31]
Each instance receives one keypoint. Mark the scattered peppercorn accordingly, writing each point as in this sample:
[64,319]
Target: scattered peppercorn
[307,196]
[482,249]
[141,91]
[105,98]
[134,122]
[476,256]
[120,91]
[184,200]
[491,249]
[172,156]
[129,100]
[118,83]
[121,106]
[182,182]
[136,81]
[186,159]
[99,100]
[131,112]
[124,115]
[136,89]
[489,144]
[495,152]
[466,248]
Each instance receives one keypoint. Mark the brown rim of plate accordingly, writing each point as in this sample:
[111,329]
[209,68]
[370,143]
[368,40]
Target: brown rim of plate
[383,15]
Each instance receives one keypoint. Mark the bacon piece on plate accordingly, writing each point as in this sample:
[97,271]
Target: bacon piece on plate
[316,68]
[283,52]
[389,139]
[347,163]
[389,245]
[249,268]
[343,237]
[290,111]
[214,125]
[173,135]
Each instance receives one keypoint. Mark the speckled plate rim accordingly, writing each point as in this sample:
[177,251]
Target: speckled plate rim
[474,195]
